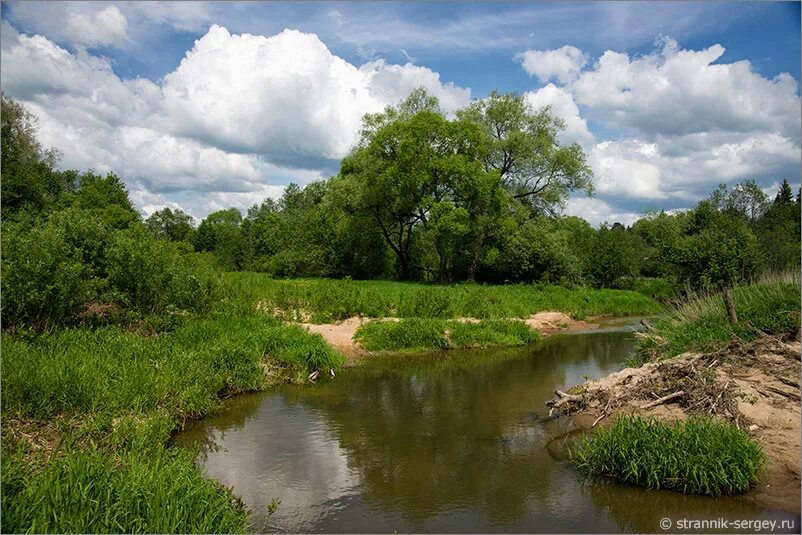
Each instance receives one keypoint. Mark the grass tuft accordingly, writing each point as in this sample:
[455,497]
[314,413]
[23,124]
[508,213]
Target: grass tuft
[429,333]
[698,456]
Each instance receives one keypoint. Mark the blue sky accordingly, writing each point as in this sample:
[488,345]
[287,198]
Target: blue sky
[667,99]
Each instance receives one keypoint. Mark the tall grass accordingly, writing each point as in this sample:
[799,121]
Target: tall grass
[698,456]
[107,400]
[326,300]
[770,306]
[428,333]
[93,492]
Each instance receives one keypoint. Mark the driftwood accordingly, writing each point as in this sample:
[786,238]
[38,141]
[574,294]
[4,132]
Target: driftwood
[790,395]
[664,399]
[560,399]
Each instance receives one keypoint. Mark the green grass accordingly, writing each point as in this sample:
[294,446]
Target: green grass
[93,492]
[110,399]
[327,300]
[698,456]
[771,306]
[429,333]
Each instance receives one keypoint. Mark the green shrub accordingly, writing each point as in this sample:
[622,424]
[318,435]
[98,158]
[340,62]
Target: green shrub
[408,333]
[44,277]
[698,456]
[153,275]
[490,333]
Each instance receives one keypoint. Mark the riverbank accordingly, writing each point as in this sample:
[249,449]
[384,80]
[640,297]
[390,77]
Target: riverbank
[753,386]
[694,362]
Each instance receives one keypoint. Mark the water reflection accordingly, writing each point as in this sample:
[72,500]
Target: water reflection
[448,442]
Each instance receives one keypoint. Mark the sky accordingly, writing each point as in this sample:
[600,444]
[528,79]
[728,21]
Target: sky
[208,105]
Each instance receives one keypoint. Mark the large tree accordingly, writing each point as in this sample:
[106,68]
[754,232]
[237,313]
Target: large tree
[523,148]
[171,224]
[410,160]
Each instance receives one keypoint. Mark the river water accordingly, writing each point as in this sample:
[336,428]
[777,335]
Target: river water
[445,442]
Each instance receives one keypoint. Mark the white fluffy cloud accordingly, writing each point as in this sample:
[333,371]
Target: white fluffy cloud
[678,92]
[286,97]
[562,65]
[596,211]
[563,106]
[683,123]
[240,115]
[105,27]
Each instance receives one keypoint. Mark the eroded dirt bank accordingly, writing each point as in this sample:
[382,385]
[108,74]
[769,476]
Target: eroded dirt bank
[340,335]
[753,386]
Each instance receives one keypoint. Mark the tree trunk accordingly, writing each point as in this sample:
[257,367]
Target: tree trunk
[730,304]
[477,249]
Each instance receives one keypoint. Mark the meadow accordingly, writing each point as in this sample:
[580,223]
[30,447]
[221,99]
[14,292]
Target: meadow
[329,300]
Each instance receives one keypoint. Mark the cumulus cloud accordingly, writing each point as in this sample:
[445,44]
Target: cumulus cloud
[240,115]
[286,97]
[678,92]
[562,64]
[596,211]
[683,121]
[563,106]
[105,27]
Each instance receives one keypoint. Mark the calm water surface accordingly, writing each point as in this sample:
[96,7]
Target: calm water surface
[448,442]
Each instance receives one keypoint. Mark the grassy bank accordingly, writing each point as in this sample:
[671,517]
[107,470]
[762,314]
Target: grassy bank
[771,306]
[698,456]
[87,414]
[429,333]
[327,300]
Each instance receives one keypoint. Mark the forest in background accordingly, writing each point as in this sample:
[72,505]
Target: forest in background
[421,197]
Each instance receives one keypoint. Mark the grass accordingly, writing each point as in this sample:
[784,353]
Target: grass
[698,456]
[429,333]
[87,414]
[327,300]
[771,306]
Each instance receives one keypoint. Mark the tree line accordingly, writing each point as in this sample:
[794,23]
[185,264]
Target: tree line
[421,196]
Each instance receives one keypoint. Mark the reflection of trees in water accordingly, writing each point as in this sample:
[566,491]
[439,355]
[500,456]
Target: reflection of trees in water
[431,435]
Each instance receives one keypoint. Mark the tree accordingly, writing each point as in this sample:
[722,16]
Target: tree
[173,225]
[220,233]
[785,195]
[745,200]
[613,256]
[522,147]
[409,159]
[717,251]
[29,178]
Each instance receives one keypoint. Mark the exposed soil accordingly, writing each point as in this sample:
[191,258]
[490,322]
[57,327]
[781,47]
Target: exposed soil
[754,386]
[340,335]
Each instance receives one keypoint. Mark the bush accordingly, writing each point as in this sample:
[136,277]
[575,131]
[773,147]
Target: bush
[698,456]
[44,277]
[153,275]
[55,268]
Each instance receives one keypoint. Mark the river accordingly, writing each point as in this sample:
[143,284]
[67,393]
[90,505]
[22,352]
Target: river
[445,442]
